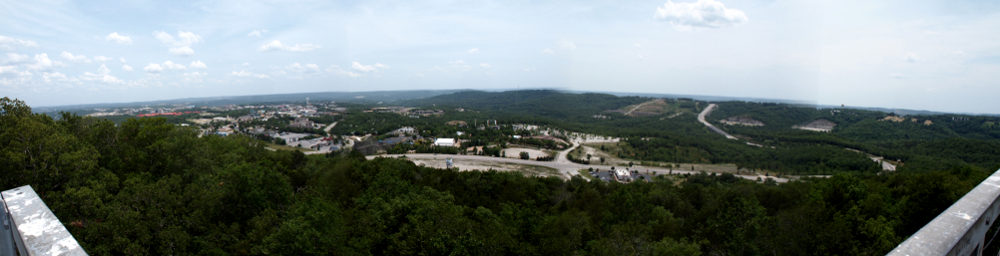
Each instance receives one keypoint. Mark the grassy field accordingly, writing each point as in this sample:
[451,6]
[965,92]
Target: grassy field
[657,107]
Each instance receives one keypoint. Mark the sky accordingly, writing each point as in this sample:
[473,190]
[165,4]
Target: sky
[921,55]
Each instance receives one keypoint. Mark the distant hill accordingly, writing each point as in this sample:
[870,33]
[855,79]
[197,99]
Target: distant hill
[374,96]
[472,98]
[548,103]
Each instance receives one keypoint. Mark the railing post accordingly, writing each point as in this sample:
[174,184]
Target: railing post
[35,230]
[7,246]
[961,229]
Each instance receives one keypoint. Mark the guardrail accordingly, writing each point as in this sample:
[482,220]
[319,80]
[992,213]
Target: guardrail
[30,228]
[961,229]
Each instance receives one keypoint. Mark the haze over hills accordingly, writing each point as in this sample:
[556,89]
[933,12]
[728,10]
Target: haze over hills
[392,97]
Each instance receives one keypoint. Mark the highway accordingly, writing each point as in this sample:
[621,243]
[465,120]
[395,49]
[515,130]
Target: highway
[701,118]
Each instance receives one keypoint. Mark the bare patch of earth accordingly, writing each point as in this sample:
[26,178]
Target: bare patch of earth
[818,125]
[532,153]
[740,120]
[470,165]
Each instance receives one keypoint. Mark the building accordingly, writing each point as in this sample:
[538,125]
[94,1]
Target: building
[444,142]
[246,118]
[623,175]
[404,131]
[302,122]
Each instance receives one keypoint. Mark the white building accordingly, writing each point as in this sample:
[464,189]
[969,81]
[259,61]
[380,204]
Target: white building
[623,175]
[444,142]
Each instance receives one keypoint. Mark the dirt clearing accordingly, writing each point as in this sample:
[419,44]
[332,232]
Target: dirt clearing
[468,165]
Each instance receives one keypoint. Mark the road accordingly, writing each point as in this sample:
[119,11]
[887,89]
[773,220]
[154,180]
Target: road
[636,107]
[327,129]
[567,168]
[701,118]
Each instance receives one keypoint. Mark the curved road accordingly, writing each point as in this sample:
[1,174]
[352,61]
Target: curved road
[701,118]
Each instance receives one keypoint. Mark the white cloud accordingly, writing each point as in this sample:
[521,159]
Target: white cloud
[248,74]
[6,41]
[127,68]
[185,38]
[699,15]
[272,46]
[337,70]
[549,51]
[485,65]
[193,77]
[153,68]
[103,70]
[170,65]
[103,75]
[257,33]
[78,58]
[115,37]
[182,44]
[566,44]
[910,57]
[182,51]
[897,75]
[638,45]
[303,48]
[246,64]
[14,58]
[54,76]
[457,62]
[639,57]
[102,58]
[198,64]
[277,45]
[122,59]
[307,68]
[474,50]
[12,71]
[42,62]
[367,68]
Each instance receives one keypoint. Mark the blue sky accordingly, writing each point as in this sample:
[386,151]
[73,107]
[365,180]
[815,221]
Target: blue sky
[933,55]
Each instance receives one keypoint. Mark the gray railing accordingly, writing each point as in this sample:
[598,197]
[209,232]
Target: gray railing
[30,228]
[961,229]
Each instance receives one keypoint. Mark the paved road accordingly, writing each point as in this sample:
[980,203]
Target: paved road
[327,129]
[567,168]
[701,118]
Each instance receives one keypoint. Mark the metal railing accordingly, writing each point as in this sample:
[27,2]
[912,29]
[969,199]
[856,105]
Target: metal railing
[30,228]
[961,229]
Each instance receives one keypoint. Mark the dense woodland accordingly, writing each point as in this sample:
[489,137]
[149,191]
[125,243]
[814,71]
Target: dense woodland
[146,186]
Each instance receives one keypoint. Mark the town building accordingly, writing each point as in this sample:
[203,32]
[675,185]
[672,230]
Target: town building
[302,122]
[444,142]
